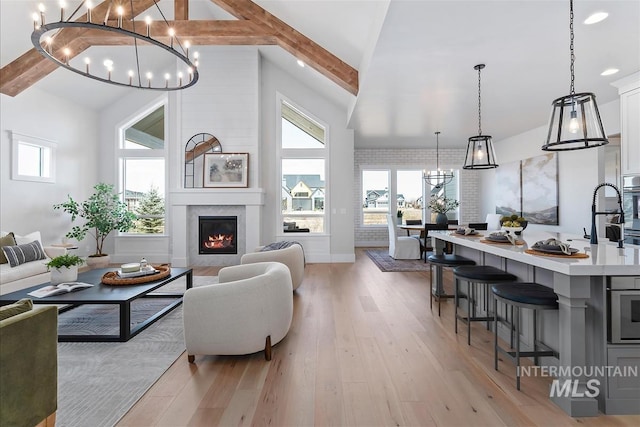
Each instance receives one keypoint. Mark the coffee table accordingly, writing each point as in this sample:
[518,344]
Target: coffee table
[120,295]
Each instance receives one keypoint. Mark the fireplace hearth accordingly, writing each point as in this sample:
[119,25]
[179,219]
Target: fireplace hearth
[217,235]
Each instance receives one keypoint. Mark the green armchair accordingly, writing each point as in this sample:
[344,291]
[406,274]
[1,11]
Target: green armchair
[29,367]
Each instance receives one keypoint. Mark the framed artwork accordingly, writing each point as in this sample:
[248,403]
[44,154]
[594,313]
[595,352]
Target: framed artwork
[508,189]
[225,170]
[540,189]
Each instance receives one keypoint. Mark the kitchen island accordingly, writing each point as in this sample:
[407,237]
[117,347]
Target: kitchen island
[578,331]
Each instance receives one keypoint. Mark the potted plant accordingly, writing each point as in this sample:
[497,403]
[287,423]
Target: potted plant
[64,268]
[442,205]
[104,212]
[399,217]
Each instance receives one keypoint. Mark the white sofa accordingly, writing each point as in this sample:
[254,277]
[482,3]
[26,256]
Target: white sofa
[292,257]
[249,310]
[28,274]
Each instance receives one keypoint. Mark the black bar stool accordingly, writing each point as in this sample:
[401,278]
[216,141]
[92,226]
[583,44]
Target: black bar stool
[440,261]
[482,276]
[523,295]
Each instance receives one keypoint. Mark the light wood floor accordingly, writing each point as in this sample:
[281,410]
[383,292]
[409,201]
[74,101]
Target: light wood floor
[363,350]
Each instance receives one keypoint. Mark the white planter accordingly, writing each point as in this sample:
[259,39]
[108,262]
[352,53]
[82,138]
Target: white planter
[64,274]
[98,262]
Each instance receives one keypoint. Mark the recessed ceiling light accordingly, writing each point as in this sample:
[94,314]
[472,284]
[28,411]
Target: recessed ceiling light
[609,71]
[596,17]
[300,63]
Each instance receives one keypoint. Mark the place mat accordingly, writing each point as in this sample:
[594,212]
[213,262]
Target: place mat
[506,242]
[112,278]
[576,255]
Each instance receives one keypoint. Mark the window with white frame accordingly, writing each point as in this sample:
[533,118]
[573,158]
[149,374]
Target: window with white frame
[376,185]
[32,158]
[142,157]
[303,165]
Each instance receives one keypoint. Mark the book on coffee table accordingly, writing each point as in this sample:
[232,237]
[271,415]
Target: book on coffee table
[61,288]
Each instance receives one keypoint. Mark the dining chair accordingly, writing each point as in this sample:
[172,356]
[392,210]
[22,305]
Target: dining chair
[413,222]
[401,247]
[425,242]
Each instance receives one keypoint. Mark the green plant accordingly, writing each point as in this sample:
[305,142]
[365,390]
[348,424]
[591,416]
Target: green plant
[66,260]
[104,213]
[442,204]
[399,214]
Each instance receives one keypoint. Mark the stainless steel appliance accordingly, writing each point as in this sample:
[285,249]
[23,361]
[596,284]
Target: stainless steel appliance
[631,205]
[623,301]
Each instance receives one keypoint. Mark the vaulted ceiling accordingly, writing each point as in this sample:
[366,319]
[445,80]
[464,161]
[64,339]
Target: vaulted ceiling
[402,69]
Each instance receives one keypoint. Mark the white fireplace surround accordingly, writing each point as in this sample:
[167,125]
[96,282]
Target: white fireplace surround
[186,205]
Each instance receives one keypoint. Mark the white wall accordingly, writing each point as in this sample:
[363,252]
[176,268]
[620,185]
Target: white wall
[28,206]
[579,172]
[340,235]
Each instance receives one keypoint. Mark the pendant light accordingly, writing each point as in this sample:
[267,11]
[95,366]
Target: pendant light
[575,122]
[480,154]
[439,177]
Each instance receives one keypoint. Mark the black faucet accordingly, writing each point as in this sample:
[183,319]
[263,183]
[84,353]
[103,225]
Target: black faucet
[594,236]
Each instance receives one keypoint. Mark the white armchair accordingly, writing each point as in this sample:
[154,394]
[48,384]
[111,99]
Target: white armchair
[249,310]
[403,247]
[292,257]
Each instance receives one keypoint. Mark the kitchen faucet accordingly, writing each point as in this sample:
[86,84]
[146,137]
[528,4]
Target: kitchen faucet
[594,236]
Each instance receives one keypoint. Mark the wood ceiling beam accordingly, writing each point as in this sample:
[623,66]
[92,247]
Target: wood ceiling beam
[181,10]
[296,43]
[255,26]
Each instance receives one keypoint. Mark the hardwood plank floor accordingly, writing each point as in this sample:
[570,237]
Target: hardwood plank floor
[363,350]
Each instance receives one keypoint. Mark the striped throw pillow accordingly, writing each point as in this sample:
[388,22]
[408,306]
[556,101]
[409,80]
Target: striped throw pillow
[20,254]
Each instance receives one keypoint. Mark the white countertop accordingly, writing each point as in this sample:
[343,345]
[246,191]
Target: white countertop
[605,258]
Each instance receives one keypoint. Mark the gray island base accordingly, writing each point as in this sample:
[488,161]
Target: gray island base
[593,373]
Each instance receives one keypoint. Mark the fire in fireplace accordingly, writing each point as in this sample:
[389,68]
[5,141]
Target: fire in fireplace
[218,234]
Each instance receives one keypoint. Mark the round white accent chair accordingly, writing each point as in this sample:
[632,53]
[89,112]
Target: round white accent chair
[292,257]
[249,310]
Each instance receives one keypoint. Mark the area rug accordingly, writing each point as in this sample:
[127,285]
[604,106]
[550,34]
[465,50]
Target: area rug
[99,382]
[381,258]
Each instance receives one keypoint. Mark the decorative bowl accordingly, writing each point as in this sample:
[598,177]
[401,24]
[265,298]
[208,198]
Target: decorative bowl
[516,230]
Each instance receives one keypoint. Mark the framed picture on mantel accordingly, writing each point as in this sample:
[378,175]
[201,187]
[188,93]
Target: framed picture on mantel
[226,170]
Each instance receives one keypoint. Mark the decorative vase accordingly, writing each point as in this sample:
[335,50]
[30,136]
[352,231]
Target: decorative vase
[98,261]
[64,274]
[399,220]
[441,218]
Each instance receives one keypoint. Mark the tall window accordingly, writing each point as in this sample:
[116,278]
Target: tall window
[142,171]
[375,196]
[303,168]
[409,193]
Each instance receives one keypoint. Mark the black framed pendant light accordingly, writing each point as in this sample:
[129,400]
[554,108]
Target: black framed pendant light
[480,154]
[575,122]
[439,177]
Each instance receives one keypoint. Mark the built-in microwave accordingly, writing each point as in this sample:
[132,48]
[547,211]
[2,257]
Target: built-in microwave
[623,301]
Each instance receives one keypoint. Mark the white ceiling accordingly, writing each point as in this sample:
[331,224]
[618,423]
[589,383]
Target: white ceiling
[415,59]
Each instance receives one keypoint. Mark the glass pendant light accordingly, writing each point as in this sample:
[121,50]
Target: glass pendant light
[480,154]
[439,177]
[575,122]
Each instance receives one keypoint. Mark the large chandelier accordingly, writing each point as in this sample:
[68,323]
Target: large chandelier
[480,154]
[437,178]
[147,65]
[575,122]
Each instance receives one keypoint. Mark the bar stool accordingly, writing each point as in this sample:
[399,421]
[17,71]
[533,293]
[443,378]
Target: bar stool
[480,275]
[523,295]
[440,261]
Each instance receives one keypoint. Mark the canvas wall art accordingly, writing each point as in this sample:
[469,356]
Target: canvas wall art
[540,189]
[508,190]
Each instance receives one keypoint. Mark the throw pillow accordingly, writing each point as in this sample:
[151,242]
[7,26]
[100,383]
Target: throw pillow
[23,240]
[20,254]
[7,240]
[18,307]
